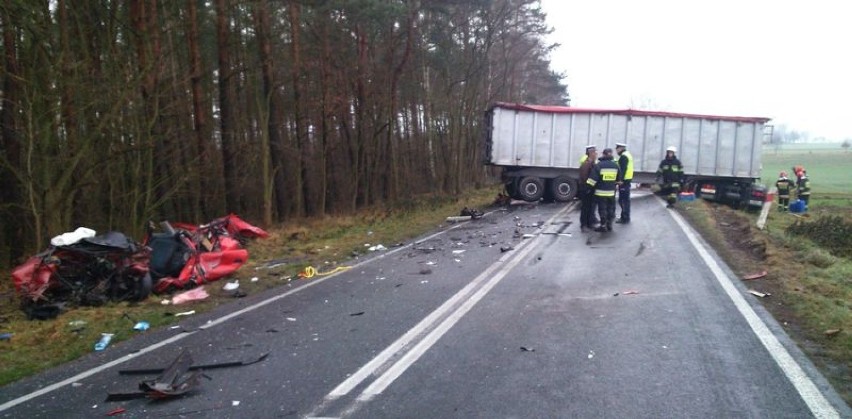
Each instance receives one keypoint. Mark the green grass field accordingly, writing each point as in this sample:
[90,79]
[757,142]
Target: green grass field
[828,166]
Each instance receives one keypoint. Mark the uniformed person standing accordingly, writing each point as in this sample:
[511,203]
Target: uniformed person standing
[625,164]
[604,179]
[671,172]
[587,200]
[804,188]
[784,186]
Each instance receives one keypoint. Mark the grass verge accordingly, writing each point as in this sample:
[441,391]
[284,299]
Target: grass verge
[810,287]
[324,243]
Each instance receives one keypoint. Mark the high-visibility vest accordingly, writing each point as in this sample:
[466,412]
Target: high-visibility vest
[628,171]
[583,159]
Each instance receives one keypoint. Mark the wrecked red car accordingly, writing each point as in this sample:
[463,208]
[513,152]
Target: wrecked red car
[87,272]
[185,255]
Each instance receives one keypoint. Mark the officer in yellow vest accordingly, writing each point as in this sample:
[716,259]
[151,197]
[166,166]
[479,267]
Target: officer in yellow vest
[625,163]
[589,149]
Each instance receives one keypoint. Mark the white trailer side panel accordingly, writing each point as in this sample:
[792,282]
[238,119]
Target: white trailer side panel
[707,145]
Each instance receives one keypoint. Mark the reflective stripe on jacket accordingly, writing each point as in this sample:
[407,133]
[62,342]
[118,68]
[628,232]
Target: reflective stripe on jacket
[784,186]
[604,177]
[672,171]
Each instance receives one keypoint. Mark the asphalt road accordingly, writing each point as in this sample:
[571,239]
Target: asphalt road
[640,322]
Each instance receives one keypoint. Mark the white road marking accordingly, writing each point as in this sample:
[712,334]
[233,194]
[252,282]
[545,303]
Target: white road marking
[88,373]
[816,401]
[396,348]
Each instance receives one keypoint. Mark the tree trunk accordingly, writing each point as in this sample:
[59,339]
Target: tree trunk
[302,193]
[226,118]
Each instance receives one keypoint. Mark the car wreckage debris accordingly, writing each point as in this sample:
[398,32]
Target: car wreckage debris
[198,367]
[176,380]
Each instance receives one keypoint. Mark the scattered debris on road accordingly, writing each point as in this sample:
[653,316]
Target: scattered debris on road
[228,364]
[174,381]
[527,349]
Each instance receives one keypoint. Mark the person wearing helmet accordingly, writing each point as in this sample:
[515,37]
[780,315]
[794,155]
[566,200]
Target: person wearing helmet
[604,179]
[671,172]
[784,186]
[804,188]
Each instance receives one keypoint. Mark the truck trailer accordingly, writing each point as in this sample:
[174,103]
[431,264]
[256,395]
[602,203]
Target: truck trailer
[539,149]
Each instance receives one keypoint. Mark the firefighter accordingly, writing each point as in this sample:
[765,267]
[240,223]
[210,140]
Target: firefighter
[604,179]
[625,164]
[784,186]
[803,190]
[671,172]
[587,200]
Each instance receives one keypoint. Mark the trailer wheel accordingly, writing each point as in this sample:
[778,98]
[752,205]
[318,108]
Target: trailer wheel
[530,188]
[563,189]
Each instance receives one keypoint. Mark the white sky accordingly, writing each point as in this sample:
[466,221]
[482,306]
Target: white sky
[786,60]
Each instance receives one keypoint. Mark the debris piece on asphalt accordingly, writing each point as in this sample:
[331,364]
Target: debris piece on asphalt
[230,286]
[425,271]
[291,319]
[528,236]
[377,247]
[630,292]
[458,219]
[185,313]
[615,295]
[758,293]
[756,275]
[425,281]
[458,252]
[235,403]
[504,249]
[527,349]
[832,332]
[228,364]
[591,354]
[117,411]
[356,314]
[238,294]
[174,381]
[195,294]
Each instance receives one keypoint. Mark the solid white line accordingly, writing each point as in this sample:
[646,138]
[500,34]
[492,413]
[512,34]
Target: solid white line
[85,374]
[392,373]
[816,401]
[93,371]
[420,328]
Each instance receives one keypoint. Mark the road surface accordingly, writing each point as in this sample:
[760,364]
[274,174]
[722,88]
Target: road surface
[516,315]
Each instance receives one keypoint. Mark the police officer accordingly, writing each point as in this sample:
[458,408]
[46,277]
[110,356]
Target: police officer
[604,179]
[625,164]
[671,172]
[784,186]
[587,200]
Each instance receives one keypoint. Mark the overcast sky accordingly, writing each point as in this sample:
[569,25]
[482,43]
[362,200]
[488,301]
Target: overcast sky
[786,60]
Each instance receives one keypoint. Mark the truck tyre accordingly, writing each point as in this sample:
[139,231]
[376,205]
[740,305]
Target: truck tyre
[562,188]
[530,188]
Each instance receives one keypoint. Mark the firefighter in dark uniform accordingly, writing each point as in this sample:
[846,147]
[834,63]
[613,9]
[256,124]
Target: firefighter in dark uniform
[625,163]
[784,186]
[671,172]
[604,179]
[587,200]
[804,188]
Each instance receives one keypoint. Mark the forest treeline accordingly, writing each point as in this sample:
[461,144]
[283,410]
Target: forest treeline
[116,112]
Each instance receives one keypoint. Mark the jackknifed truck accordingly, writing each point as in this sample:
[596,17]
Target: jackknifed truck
[539,149]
